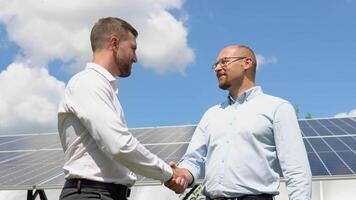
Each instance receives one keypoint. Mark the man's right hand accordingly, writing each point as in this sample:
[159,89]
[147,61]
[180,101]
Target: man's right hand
[180,180]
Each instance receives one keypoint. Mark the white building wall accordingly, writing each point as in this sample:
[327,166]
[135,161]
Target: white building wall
[327,190]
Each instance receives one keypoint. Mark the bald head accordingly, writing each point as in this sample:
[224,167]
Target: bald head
[240,51]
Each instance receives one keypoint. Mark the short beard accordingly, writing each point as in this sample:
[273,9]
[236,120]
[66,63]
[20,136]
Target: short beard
[125,71]
[224,86]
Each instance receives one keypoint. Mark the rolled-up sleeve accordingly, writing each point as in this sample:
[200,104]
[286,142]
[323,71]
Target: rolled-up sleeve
[291,153]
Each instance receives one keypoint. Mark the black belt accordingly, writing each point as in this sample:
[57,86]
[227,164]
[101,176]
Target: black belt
[245,197]
[84,183]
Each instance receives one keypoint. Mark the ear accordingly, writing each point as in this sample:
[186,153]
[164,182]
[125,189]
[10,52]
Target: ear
[248,63]
[114,43]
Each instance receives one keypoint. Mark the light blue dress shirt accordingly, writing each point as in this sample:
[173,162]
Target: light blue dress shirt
[244,145]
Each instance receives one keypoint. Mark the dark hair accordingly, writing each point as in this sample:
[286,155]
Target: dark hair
[106,27]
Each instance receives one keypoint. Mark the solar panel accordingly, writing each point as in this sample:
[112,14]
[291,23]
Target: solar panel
[331,145]
[318,166]
[29,160]
[36,160]
[38,141]
[350,141]
[324,127]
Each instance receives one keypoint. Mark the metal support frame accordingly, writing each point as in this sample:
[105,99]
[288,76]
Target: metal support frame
[32,195]
[195,193]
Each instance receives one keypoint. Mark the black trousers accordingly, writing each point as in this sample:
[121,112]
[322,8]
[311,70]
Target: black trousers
[75,189]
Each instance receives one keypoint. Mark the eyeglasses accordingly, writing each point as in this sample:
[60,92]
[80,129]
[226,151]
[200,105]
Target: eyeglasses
[224,62]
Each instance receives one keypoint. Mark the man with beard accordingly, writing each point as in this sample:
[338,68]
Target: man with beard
[245,142]
[100,153]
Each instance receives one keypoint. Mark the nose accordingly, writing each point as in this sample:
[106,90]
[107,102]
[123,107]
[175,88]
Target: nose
[218,68]
[134,59]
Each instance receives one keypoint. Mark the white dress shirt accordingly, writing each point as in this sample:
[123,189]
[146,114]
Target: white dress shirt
[94,135]
[245,145]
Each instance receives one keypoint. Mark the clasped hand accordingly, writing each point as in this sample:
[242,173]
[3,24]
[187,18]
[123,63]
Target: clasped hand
[180,180]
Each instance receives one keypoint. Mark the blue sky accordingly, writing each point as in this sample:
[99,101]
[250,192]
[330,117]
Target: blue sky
[307,50]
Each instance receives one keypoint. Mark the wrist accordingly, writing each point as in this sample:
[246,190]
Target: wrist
[189,177]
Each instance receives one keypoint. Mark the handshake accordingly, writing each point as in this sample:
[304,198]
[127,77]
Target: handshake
[180,180]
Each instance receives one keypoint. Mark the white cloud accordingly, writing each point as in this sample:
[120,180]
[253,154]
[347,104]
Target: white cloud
[262,60]
[164,44]
[47,30]
[28,99]
[352,113]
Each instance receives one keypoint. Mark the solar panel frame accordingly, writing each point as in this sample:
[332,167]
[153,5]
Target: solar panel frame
[330,144]
[330,140]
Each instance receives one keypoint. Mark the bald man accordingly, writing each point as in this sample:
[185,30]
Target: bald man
[247,141]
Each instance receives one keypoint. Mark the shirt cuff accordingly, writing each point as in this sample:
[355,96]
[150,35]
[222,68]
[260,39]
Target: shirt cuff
[167,172]
[192,170]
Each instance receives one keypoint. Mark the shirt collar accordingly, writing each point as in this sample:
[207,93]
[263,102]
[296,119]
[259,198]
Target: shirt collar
[246,95]
[101,70]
